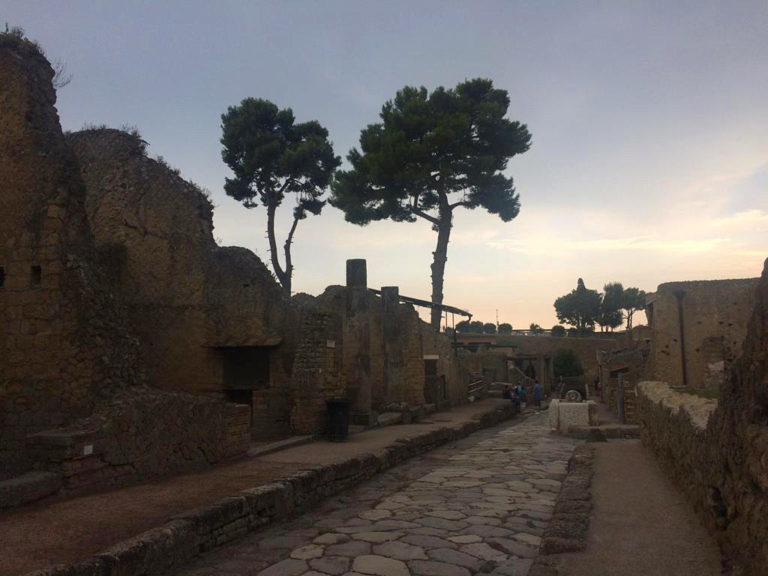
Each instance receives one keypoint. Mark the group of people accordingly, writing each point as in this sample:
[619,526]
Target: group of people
[519,395]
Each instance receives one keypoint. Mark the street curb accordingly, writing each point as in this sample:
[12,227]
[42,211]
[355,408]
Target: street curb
[196,531]
[568,528]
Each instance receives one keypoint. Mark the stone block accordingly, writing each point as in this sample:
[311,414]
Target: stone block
[28,488]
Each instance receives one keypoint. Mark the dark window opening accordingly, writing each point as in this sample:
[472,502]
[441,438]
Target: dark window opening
[36,275]
[245,368]
[2,276]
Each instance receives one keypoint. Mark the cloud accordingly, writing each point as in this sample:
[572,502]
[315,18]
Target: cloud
[558,245]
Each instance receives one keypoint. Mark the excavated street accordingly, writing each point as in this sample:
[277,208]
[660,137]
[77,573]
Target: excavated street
[479,505]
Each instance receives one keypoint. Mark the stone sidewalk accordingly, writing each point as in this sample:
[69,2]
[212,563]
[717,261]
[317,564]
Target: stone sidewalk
[479,505]
[62,532]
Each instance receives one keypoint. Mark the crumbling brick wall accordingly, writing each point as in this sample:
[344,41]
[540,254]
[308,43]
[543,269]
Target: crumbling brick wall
[191,301]
[714,317]
[717,452]
[71,393]
[63,343]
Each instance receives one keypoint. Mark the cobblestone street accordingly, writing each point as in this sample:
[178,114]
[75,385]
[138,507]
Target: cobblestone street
[479,505]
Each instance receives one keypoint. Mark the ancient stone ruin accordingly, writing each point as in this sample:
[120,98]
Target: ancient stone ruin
[134,346]
[716,449]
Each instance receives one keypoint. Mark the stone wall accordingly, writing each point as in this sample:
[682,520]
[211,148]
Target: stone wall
[142,433]
[72,399]
[714,317]
[195,306]
[586,348]
[718,452]
[63,343]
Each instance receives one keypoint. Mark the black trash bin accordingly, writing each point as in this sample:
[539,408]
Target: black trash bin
[338,419]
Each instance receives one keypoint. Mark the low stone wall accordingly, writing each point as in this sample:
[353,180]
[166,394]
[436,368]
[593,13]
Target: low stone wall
[142,433]
[188,535]
[682,431]
[674,426]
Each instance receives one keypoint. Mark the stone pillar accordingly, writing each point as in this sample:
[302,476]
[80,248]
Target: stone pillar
[357,273]
[393,346]
[390,296]
[357,342]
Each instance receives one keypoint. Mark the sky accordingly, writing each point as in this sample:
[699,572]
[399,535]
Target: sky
[649,123]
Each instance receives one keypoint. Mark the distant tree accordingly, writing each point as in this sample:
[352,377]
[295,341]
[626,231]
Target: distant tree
[633,300]
[558,330]
[505,328]
[566,363]
[271,156]
[476,327]
[429,155]
[489,328]
[535,329]
[463,327]
[611,316]
[580,308]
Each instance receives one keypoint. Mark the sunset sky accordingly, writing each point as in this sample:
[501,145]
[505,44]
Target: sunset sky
[649,120]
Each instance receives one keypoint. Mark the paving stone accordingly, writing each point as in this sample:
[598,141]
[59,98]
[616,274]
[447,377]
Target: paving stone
[446,514]
[307,552]
[331,538]
[282,542]
[432,568]
[527,538]
[333,565]
[377,537]
[488,531]
[428,541]
[380,566]
[455,557]
[450,525]
[353,548]
[400,551]
[483,520]
[465,539]
[515,547]
[393,525]
[375,514]
[288,567]
[483,551]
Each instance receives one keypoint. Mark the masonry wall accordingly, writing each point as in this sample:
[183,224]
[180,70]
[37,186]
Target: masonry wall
[63,343]
[382,350]
[585,348]
[718,452]
[192,303]
[714,320]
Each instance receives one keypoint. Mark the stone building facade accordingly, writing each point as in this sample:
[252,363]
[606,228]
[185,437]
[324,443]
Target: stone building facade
[697,329]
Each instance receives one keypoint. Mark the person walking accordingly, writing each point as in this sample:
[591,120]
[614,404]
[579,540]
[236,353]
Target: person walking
[538,393]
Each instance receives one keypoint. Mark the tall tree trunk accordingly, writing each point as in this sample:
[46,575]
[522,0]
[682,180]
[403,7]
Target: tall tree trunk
[282,277]
[288,262]
[440,256]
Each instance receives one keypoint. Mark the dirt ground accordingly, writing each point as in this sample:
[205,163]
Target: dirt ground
[641,524]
